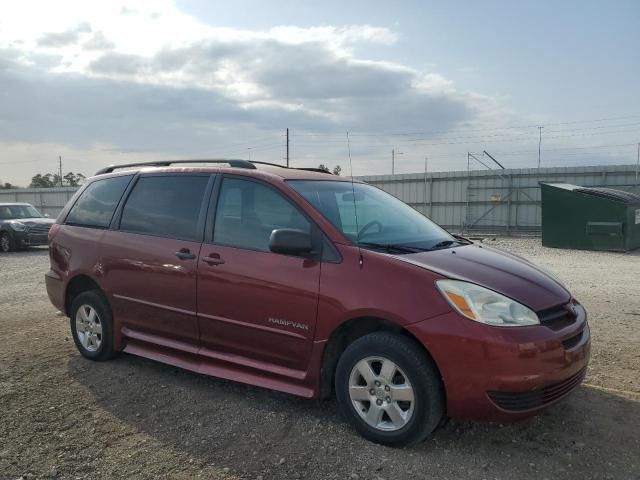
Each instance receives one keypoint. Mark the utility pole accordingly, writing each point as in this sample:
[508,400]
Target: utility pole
[287,147]
[539,144]
[637,165]
[393,160]
[60,168]
[426,162]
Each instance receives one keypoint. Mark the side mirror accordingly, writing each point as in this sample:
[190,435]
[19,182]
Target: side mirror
[290,241]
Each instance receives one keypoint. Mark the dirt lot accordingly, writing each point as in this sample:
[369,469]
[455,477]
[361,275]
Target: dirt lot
[61,415]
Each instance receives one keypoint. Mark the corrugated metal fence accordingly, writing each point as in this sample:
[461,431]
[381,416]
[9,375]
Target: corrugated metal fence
[504,201]
[47,200]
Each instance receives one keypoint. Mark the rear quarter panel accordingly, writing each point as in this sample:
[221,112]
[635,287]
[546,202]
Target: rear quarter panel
[76,251]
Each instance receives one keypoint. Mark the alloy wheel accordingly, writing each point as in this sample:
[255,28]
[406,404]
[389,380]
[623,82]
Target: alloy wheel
[381,393]
[5,246]
[88,328]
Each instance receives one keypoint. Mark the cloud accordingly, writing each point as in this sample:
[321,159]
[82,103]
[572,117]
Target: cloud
[76,110]
[98,42]
[187,88]
[313,71]
[328,94]
[118,64]
[62,39]
[287,76]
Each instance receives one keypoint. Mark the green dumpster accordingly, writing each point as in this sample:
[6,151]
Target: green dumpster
[589,218]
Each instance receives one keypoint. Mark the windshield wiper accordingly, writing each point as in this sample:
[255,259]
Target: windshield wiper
[461,239]
[442,244]
[391,248]
[448,243]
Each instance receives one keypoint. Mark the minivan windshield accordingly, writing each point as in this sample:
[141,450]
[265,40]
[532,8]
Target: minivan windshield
[12,212]
[372,218]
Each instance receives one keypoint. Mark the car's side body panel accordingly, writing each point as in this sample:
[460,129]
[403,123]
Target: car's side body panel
[259,305]
[150,289]
[74,257]
[371,284]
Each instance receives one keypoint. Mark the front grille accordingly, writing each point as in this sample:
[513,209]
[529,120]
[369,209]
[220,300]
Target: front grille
[39,229]
[571,342]
[556,318]
[521,401]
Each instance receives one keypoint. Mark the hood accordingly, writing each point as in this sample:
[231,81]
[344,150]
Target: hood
[33,221]
[499,271]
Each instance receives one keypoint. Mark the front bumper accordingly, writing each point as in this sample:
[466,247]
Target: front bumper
[506,373]
[29,239]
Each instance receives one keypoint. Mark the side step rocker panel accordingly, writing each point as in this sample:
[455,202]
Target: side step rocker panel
[224,365]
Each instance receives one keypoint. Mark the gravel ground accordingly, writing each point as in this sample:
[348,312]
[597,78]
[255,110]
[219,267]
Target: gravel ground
[63,416]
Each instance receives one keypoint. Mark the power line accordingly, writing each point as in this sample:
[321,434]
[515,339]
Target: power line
[432,156]
[254,149]
[506,135]
[469,140]
[509,127]
[569,148]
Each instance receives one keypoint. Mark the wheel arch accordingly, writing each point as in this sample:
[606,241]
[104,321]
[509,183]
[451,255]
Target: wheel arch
[349,331]
[5,230]
[77,285]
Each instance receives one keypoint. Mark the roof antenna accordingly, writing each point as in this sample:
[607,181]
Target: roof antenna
[355,209]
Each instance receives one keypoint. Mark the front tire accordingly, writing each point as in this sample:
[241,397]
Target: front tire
[389,389]
[92,325]
[6,243]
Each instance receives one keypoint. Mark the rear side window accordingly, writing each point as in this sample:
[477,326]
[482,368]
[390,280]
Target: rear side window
[97,203]
[166,206]
[248,212]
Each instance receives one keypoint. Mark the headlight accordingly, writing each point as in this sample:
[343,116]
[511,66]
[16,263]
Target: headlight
[486,306]
[17,226]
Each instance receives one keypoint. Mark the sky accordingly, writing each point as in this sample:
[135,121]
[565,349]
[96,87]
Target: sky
[101,83]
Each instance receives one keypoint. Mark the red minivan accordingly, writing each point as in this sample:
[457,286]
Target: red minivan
[308,283]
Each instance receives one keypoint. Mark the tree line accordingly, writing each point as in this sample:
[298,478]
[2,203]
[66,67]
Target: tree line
[50,180]
[336,170]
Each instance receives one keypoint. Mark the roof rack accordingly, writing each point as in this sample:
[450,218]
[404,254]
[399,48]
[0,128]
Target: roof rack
[235,163]
[306,169]
[312,169]
[165,163]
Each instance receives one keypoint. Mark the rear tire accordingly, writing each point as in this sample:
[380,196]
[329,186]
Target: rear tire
[92,325]
[6,243]
[389,389]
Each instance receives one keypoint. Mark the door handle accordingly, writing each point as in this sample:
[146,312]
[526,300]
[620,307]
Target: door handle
[213,259]
[185,254]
